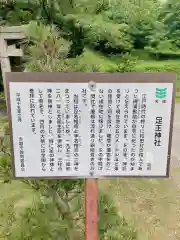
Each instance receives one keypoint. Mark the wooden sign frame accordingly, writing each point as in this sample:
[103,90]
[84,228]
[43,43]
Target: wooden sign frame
[98,78]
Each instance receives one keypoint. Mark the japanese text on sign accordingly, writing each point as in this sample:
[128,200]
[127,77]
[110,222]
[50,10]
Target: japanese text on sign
[66,129]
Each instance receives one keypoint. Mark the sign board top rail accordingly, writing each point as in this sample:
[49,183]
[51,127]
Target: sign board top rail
[131,77]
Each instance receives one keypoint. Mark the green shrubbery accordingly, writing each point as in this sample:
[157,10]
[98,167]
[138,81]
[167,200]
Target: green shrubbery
[112,27]
[61,214]
[162,66]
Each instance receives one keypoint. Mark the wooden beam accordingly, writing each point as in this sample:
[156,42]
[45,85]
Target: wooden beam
[13,35]
[13,32]
[4,59]
[9,33]
[12,51]
[12,29]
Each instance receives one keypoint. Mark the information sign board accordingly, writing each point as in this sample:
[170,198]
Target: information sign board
[91,125]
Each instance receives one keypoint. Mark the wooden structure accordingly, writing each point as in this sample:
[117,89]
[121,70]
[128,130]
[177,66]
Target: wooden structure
[9,38]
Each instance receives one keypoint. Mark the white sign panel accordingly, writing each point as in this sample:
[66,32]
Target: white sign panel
[74,130]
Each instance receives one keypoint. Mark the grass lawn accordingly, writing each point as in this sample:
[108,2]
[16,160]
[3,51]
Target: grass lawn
[151,206]
[178,98]
[25,215]
[146,64]
[161,66]
[14,199]
[178,92]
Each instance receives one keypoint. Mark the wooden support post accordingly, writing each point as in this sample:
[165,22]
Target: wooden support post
[4,59]
[9,33]
[91,194]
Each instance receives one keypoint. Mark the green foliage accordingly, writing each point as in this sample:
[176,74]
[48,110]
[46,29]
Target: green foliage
[166,33]
[90,61]
[110,27]
[161,66]
[127,63]
[115,26]
[94,31]
[5,152]
[104,35]
[49,52]
[18,12]
[164,50]
[40,220]
[112,225]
